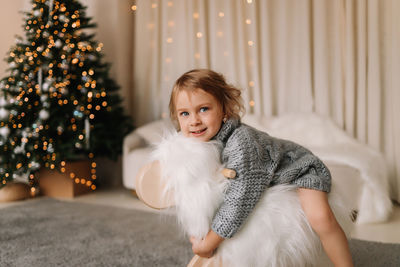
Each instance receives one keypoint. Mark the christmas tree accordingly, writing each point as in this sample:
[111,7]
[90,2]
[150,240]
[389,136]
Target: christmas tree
[58,103]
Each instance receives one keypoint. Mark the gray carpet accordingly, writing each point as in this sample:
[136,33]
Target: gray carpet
[48,232]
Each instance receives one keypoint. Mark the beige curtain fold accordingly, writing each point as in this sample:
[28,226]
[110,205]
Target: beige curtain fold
[339,58]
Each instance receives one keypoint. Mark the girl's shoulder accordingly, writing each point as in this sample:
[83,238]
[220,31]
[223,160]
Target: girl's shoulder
[249,132]
[248,136]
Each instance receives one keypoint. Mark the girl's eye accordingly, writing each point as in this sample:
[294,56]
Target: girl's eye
[184,114]
[203,109]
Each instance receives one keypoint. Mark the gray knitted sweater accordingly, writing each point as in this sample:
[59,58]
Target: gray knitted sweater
[261,161]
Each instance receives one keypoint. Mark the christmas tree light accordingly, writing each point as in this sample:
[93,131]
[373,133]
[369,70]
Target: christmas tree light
[58,103]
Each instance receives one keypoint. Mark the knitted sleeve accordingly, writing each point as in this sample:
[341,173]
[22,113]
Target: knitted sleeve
[245,156]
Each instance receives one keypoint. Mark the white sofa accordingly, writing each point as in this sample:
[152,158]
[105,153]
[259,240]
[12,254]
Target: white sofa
[358,172]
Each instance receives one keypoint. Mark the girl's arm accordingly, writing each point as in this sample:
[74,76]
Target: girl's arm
[206,246]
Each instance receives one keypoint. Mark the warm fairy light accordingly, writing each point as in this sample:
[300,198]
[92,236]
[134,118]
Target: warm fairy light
[169,40]
[248,21]
[195,15]
[252,103]
[72,175]
[199,35]
[171,23]
[249,1]
[220,34]
[154,5]
[197,55]
[134,7]
[170,4]
[250,43]
[251,83]
[221,14]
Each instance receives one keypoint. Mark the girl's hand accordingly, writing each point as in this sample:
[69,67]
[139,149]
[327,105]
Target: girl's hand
[205,247]
[201,248]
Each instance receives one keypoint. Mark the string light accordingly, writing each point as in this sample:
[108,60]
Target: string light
[134,7]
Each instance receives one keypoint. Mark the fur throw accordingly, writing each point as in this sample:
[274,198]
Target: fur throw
[276,233]
[331,144]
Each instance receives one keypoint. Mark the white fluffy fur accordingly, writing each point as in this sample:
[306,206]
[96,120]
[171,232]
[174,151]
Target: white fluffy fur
[276,233]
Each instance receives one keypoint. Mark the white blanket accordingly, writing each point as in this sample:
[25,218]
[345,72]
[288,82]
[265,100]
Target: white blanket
[332,144]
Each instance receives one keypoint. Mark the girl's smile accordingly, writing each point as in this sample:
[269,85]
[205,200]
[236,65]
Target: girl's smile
[199,114]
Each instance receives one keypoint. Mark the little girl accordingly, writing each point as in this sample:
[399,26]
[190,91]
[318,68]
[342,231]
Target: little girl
[205,107]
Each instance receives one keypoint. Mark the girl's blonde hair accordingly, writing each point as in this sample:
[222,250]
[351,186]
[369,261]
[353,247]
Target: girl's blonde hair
[213,83]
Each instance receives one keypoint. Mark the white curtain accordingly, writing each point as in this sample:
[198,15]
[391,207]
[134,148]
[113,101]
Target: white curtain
[337,58]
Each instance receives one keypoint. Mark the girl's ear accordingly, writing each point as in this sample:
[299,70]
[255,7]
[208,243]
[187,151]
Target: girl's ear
[225,119]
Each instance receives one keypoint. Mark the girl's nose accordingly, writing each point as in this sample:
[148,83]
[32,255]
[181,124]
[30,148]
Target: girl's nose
[195,120]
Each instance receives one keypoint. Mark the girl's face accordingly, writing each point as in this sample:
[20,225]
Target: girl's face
[199,114]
